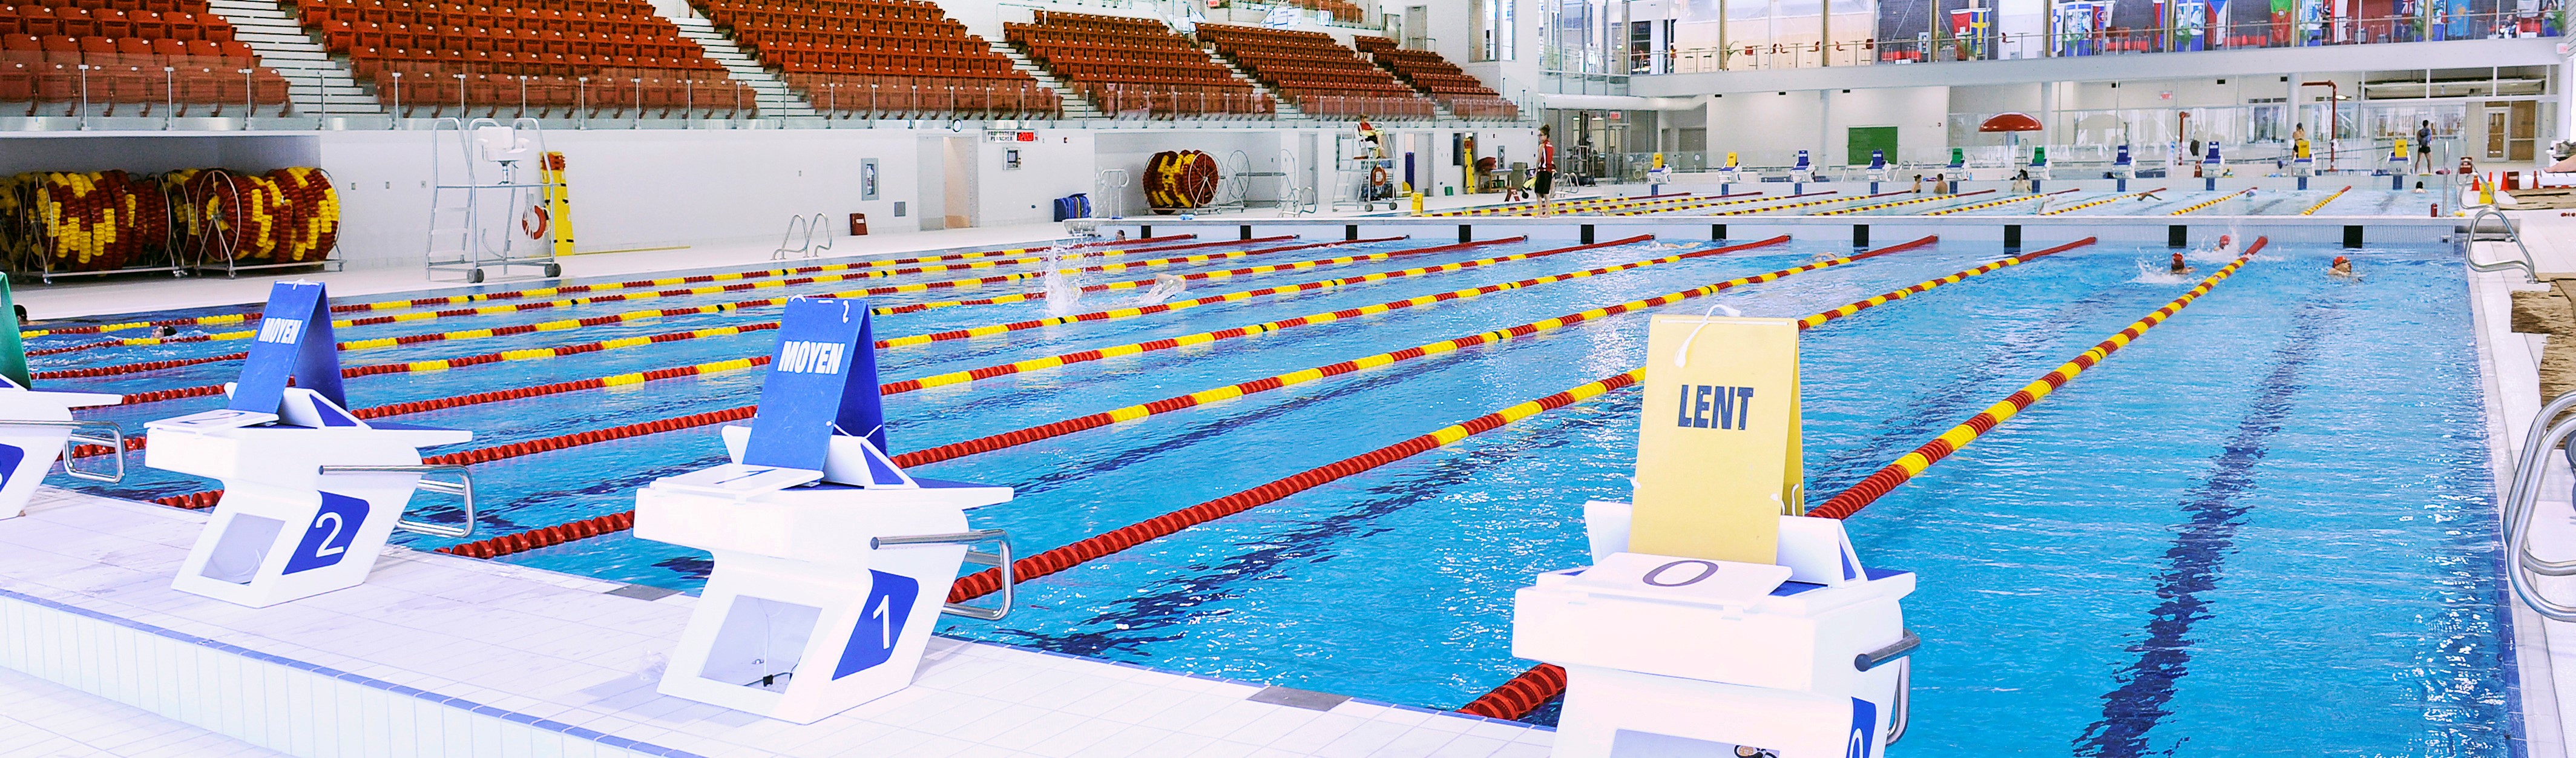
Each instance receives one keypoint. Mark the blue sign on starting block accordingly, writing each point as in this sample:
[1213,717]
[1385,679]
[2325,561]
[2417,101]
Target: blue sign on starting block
[823,377]
[294,341]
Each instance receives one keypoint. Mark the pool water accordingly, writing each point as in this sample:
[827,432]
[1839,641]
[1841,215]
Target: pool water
[2263,528]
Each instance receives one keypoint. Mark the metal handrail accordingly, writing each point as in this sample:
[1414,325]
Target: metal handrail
[2522,500]
[1000,560]
[1903,646]
[464,487]
[115,441]
[2530,270]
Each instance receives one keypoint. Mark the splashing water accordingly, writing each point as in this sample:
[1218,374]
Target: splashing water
[1062,294]
[1166,286]
[2163,275]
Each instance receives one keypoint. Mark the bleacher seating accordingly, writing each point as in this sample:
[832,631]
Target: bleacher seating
[1125,65]
[127,44]
[1340,10]
[1321,76]
[1464,95]
[535,57]
[883,57]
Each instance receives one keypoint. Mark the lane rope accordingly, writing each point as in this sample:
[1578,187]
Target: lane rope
[1721,203]
[1995,203]
[2220,199]
[1590,203]
[2321,204]
[569,289]
[1901,203]
[1905,467]
[2101,202]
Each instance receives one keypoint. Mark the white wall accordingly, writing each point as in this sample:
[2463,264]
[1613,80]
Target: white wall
[1768,129]
[1059,162]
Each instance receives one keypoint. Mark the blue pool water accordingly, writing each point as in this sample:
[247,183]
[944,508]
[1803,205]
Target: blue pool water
[2264,528]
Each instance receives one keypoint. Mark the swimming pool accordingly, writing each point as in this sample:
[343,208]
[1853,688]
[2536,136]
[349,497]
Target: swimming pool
[2263,528]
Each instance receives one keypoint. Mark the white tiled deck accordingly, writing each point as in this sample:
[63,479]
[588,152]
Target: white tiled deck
[442,655]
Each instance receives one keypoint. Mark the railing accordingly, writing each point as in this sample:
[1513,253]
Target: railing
[463,487]
[1929,47]
[1000,558]
[2522,500]
[2530,271]
[614,95]
[114,442]
[808,226]
[852,95]
[110,86]
[1166,100]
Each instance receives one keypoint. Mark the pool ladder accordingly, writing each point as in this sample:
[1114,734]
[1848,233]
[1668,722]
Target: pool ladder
[2530,270]
[2522,500]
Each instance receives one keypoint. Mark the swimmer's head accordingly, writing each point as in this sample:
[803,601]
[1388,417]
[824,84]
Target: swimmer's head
[2341,261]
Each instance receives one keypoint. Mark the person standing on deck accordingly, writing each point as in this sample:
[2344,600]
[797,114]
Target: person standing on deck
[1545,181]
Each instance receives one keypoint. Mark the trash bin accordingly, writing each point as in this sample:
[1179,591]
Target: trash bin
[858,224]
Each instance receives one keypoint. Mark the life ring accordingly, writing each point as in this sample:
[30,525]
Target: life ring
[538,231]
[1377,176]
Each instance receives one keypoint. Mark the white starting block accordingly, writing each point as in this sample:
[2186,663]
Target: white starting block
[1878,168]
[1730,173]
[1804,172]
[2123,166]
[311,492]
[34,425]
[1709,623]
[831,563]
[33,422]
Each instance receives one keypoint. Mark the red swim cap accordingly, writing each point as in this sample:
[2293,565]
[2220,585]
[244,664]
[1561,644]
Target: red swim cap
[2340,260]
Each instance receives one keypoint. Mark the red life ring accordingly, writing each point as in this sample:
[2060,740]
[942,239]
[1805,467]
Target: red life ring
[1377,175]
[544,219]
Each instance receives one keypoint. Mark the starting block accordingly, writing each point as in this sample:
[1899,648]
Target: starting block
[831,563]
[311,493]
[34,422]
[1710,622]
[1804,172]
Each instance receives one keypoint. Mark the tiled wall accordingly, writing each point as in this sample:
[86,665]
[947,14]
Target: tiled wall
[281,704]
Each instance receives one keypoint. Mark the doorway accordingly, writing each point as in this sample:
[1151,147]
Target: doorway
[2512,130]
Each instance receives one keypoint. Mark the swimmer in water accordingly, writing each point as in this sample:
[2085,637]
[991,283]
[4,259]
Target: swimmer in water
[2342,267]
[2149,195]
[2179,267]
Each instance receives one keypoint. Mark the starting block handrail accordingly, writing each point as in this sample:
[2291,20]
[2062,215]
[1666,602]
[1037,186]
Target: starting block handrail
[1903,646]
[115,440]
[463,487]
[2522,500]
[1000,559]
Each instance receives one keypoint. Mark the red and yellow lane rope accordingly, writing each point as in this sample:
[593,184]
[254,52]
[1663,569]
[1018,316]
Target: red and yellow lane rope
[1558,205]
[627,342]
[1181,260]
[571,289]
[1059,559]
[1906,467]
[2321,204]
[1808,204]
[1143,283]
[2219,199]
[565,324]
[530,447]
[2101,202]
[1721,203]
[1995,203]
[1900,203]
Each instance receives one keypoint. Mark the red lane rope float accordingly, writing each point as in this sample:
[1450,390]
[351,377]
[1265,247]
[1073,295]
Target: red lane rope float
[2219,199]
[573,289]
[1994,203]
[2312,210]
[1544,682]
[1516,208]
[1715,203]
[493,548]
[1905,467]
[627,342]
[1183,260]
[2103,201]
[1902,203]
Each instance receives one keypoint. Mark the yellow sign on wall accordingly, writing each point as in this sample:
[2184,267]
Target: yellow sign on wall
[1717,449]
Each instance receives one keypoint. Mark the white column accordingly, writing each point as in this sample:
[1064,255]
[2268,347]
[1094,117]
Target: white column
[1826,154]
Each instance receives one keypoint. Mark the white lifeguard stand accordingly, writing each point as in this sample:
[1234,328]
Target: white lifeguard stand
[831,563]
[311,492]
[1709,623]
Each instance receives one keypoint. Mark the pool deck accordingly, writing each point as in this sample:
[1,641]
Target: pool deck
[444,655]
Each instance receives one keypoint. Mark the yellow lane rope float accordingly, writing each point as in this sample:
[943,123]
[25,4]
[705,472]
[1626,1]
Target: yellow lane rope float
[2101,202]
[2321,204]
[82,222]
[2219,199]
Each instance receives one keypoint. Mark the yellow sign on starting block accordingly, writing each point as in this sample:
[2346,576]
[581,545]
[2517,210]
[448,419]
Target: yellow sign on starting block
[1717,449]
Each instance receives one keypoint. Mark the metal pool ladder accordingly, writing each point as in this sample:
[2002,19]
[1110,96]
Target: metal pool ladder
[2530,270]
[2522,500]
